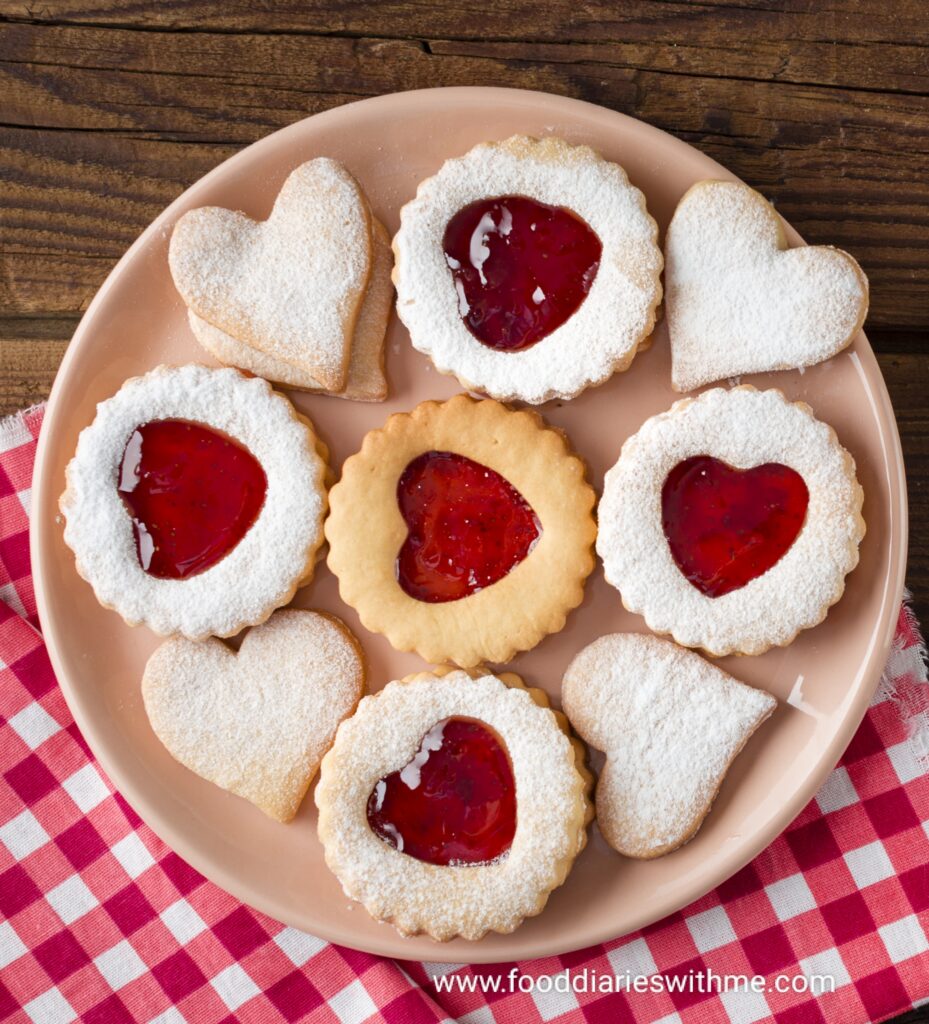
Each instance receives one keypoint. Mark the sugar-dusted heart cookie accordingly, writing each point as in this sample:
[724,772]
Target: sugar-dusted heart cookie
[290,286]
[259,721]
[670,725]
[366,381]
[739,301]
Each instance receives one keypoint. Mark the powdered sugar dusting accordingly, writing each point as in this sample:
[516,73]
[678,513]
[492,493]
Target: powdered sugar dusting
[291,285]
[744,428]
[670,724]
[384,735]
[257,722]
[273,557]
[605,332]
[739,303]
[365,381]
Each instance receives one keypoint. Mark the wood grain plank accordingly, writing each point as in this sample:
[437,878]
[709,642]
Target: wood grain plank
[907,378]
[30,352]
[208,86]
[918,1016]
[73,202]
[790,41]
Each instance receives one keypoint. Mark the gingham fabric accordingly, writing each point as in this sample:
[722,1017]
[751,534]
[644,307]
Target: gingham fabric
[100,921]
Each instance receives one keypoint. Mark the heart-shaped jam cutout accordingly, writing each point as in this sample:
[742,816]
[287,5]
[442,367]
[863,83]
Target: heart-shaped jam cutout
[727,526]
[521,268]
[192,493]
[468,527]
[454,802]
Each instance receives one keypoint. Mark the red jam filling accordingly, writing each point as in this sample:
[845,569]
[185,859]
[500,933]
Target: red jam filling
[468,527]
[521,268]
[727,526]
[192,493]
[454,802]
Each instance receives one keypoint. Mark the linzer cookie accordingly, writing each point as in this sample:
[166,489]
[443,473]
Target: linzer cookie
[366,381]
[740,301]
[731,521]
[463,531]
[258,721]
[428,854]
[670,725]
[195,501]
[291,286]
[528,269]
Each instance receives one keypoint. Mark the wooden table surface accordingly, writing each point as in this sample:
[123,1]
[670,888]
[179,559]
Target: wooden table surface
[110,108]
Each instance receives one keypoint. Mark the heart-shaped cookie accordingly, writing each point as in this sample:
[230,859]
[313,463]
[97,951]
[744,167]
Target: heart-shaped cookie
[670,725]
[290,286]
[738,300]
[259,721]
[365,382]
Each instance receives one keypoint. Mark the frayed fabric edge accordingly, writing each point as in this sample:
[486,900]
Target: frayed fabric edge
[905,682]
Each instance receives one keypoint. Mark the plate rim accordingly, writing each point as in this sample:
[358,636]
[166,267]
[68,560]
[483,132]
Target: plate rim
[176,840]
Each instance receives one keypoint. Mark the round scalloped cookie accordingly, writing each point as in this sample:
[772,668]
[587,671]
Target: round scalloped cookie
[451,900]
[611,323]
[366,532]
[742,428]
[276,554]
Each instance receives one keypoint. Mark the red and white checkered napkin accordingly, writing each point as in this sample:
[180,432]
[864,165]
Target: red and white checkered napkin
[100,921]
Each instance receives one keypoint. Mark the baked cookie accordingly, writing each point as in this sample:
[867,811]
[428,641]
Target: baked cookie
[195,501]
[740,301]
[670,725]
[290,286]
[528,269]
[540,697]
[731,521]
[463,531]
[257,722]
[366,381]
[452,804]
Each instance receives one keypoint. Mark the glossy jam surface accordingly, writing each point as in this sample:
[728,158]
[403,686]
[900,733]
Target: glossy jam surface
[521,268]
[192,493]
[454,803]
[468,527]
[727,526]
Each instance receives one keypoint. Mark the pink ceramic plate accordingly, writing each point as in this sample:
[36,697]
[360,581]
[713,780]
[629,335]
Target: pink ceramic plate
[828,675]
